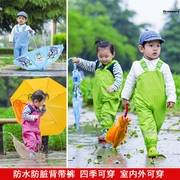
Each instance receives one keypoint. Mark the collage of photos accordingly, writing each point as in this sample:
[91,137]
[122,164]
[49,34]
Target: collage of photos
[89,84]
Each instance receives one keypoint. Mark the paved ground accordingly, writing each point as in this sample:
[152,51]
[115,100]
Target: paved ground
[55,69]
[84,152]
[53,159]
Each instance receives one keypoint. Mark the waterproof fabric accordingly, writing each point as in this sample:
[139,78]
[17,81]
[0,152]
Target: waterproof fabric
[39,58]
[21,42]
[31,131]
[77,96]
[150,102]
[53,122]
[105,104]
[117,133]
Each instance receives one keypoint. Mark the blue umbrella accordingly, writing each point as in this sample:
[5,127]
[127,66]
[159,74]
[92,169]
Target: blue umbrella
[39,58]
[77,96]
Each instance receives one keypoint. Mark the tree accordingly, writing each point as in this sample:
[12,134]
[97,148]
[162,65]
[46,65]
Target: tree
[39,12]
[170,49]
[87,22]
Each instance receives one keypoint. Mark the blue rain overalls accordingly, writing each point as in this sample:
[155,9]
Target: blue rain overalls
[21,42]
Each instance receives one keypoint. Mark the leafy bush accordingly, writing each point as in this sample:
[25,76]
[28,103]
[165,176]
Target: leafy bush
[86,87]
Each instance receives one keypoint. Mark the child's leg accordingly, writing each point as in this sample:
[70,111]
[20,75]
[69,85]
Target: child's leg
[148,126]
[29,139]
[107,115]
[24,50]
[16,52]
[38,141]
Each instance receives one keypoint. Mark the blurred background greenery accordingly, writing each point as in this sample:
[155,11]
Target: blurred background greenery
[112,20]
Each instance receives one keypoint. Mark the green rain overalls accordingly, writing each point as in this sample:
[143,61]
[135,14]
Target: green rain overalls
[150,102]
[105,104]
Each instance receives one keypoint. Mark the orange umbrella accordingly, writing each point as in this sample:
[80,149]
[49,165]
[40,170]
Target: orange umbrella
[54,120]
[117,133]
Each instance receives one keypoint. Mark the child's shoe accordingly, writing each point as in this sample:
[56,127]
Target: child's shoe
[152,152]
[32,155]
[102,137]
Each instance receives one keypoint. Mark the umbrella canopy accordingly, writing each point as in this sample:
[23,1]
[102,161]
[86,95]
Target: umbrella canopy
[77,96]
[39,58]
[54,120]
[117,133]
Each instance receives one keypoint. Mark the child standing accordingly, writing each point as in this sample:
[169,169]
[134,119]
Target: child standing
[31,119]
[19,35]
[154,89]
[108,79]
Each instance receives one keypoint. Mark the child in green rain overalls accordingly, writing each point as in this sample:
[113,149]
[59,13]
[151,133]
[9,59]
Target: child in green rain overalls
[154,89]
[19,35]
[106,88]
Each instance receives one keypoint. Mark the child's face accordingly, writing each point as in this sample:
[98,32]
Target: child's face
[21,20]
[151,49]
[39,104]
[104,55]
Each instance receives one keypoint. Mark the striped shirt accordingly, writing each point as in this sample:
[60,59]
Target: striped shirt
[27,113]
[117,71]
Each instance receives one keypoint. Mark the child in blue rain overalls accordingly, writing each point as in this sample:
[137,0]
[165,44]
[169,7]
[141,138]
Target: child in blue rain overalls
[19,35]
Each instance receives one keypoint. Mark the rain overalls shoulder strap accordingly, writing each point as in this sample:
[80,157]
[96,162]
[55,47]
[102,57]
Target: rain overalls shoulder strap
[23,29]
[144,65]
[108,66]
[31,108]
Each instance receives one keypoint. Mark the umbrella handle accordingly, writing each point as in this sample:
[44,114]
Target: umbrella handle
[127,108]
[75,66]
[69,60]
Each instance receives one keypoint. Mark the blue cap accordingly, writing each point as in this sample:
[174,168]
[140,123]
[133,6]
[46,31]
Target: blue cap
[22,13]
[149,35]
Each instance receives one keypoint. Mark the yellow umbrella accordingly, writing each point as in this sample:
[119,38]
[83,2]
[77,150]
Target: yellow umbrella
[117,133]
[54,120]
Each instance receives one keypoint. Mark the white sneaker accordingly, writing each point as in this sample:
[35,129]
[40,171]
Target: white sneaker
[32,155]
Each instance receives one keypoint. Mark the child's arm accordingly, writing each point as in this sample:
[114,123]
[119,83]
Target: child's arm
[30,30]
[12,37]
[170,86]
[130,82]
[118,76]
[85,64]
[43,109]
[26,114]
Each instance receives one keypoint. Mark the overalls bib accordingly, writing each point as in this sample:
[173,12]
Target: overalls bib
[31,131]
[21,42]
[150,102]
[105,104]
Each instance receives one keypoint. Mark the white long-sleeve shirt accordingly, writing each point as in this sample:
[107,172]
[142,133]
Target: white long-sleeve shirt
[20,28]
[137,70]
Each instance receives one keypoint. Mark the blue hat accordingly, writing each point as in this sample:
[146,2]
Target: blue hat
[149,35]
[22,13]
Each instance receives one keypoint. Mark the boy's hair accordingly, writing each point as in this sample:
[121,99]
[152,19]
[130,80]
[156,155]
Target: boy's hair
[149,35]
[22,13]
[38,95]
[104,44]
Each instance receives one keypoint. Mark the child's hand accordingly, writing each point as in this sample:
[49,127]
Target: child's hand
[36,117]
[109,90]
[170,104]
[125,102]
[11,44]
[75,60]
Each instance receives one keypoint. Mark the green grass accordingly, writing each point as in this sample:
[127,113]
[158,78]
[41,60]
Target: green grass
[56,142]
[6,59]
